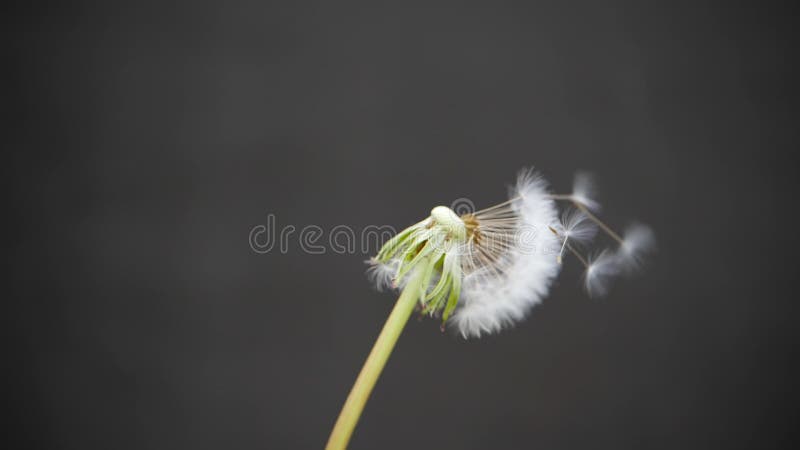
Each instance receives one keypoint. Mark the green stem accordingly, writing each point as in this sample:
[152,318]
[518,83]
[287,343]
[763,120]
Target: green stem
[376,360]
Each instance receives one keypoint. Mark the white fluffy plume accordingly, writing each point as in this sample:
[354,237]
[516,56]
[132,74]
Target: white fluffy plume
[576,227]
[637,242]
[381,274]
[503,291]
[584,191]
[602,269]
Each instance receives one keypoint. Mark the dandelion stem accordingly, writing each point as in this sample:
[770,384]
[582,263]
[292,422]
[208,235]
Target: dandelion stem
[354,405]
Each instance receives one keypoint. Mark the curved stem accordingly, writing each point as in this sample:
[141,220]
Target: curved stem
[351,411]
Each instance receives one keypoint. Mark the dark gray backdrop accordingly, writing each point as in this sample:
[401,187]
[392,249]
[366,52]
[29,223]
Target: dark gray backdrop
[148,139]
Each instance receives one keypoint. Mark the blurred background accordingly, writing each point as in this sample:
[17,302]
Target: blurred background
[147,139]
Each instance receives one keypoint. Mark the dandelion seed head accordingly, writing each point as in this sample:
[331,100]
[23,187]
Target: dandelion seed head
[511,270]
[484,271]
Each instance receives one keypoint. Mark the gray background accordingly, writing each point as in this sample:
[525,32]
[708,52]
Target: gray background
[148,139]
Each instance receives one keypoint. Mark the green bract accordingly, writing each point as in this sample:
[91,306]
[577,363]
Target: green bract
[432,247]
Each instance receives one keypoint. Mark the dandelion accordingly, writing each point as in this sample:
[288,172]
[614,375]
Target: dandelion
[483,271]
